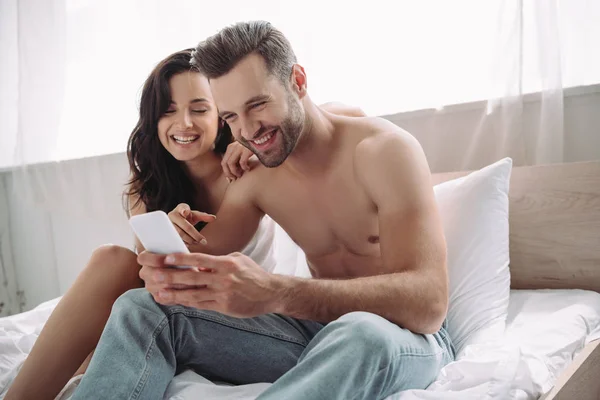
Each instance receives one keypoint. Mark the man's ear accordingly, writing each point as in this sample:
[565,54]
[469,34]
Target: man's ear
[298,80]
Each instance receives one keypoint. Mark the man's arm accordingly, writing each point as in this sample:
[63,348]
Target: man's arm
[237,220]
[412,289]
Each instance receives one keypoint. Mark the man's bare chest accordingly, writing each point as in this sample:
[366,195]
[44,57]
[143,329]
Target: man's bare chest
[325,217]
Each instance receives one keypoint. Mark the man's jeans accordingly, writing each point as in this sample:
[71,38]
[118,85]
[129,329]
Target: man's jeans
[358,356]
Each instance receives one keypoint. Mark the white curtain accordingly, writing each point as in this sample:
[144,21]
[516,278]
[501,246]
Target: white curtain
[522,115]
[72,71]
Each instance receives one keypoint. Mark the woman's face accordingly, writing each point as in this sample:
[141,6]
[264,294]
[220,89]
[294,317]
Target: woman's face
[189,127]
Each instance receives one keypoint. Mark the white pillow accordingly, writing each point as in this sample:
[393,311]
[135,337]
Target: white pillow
[474,212]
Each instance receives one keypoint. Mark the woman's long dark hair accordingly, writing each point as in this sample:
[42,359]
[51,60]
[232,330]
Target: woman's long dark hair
[158,180]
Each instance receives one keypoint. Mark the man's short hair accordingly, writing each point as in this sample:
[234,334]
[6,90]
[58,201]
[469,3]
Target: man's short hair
[220,53]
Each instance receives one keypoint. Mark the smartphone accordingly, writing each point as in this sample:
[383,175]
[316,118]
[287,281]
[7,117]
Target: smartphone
[157,234]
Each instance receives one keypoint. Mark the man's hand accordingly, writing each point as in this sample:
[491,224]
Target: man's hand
[233,285]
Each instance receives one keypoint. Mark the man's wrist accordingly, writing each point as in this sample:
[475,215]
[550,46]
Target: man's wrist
[283,287]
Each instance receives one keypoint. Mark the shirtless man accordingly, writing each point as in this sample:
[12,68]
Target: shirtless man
[354,193]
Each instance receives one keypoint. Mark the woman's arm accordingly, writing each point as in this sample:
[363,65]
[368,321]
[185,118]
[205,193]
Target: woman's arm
[136,207]
[236,222]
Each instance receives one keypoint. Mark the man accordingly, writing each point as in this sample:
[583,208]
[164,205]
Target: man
[354,193]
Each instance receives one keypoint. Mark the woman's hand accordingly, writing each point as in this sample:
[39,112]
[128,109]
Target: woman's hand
[184,220]
[237,160]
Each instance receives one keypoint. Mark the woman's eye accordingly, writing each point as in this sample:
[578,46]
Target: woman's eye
[169,111]
[199,111]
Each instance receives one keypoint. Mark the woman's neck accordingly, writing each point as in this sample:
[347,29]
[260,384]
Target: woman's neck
[204,170]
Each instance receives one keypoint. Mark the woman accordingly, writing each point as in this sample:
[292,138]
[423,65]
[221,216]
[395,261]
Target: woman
[181,159]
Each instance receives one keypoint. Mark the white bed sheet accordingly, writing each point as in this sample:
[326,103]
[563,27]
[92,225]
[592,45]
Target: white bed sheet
[545,330]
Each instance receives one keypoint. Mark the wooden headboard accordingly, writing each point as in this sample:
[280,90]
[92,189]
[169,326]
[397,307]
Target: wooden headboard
[554,219]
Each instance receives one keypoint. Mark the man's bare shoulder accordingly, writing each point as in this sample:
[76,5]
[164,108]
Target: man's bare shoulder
[374,137]
[389,150]
[342,109]
[249,185]
[358,129]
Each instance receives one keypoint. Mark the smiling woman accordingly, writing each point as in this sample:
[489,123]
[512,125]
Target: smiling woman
[179,136]
[191,116]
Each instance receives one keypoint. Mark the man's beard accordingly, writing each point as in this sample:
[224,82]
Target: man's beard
[290,130]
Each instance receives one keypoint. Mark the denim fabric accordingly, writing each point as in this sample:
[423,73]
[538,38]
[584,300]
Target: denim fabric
[358,356]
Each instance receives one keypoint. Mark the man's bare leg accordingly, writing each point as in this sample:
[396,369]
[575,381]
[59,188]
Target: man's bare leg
[74,328]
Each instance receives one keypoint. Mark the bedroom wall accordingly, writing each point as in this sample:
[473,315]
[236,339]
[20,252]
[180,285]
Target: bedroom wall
[445,134]
[49,248]
[9,302]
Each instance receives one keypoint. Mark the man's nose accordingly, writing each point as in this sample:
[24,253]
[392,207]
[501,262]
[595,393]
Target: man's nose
[249,128]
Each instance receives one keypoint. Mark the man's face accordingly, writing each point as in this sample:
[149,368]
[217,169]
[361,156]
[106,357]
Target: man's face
[264,115]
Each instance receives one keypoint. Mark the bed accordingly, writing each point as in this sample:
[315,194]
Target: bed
[550,348]
[555,244]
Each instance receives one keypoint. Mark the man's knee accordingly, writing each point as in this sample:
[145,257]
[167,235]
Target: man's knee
[378,337]
[367,331]
[414,359]
[133,301]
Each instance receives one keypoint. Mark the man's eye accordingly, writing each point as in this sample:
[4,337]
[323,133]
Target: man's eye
[256,105]
[169,111]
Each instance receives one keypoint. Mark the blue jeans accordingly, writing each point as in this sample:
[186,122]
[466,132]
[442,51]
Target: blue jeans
[358,356]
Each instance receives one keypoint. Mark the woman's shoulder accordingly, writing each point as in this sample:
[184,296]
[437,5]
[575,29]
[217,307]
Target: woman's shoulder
[135,205]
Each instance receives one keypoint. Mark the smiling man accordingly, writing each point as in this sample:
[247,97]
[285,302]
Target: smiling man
[354,193]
